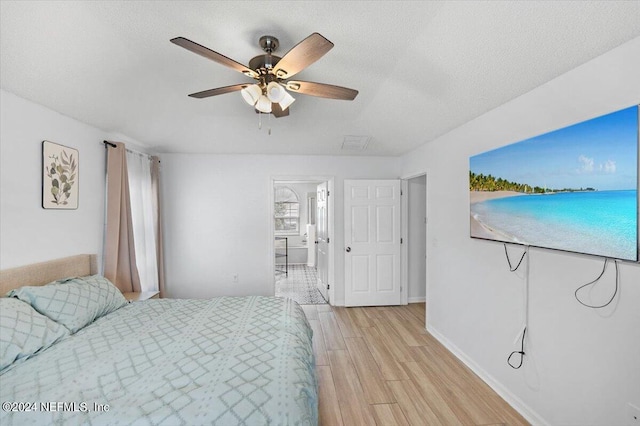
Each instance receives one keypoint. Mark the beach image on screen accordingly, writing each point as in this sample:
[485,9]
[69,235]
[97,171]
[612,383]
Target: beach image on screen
[573,189]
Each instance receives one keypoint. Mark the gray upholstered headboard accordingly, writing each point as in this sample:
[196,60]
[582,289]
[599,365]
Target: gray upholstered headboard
[44,272]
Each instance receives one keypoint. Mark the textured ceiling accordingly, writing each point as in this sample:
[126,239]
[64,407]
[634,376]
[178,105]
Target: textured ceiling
[422,68]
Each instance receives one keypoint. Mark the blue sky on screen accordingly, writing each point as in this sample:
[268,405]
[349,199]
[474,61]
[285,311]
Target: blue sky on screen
[601,153]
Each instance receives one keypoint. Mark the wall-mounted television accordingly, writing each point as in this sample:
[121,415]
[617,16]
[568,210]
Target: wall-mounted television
[572,189]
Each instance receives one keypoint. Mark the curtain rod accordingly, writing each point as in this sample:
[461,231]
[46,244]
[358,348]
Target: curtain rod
[111,144]
[142,154]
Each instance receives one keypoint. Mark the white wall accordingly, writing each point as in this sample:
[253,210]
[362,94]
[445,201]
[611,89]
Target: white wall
[217,217]
[28,232]
[582,365]
[416,279]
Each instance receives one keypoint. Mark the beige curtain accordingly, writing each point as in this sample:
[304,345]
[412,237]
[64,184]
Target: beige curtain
[119,250]
[155,188]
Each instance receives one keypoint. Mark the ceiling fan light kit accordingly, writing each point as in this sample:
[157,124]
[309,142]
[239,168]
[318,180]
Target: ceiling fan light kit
[264,104]
[269,95]
[275,92]
[251,94]
[287,100]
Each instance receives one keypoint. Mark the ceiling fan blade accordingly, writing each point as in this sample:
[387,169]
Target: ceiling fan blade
[322,90]
[218,91]
[302,55]
[277,111]
[214,56]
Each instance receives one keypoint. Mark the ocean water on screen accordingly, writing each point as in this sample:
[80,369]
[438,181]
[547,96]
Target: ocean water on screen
[603,223]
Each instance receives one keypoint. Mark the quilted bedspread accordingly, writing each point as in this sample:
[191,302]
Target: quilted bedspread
[224,361]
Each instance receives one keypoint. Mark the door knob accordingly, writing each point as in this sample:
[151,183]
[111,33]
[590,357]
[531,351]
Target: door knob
[348,249]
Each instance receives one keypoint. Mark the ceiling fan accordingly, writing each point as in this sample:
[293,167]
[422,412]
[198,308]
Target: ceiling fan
[272,73]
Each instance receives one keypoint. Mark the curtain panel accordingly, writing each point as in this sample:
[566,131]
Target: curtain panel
[119,247]
[144,211]
[155,189]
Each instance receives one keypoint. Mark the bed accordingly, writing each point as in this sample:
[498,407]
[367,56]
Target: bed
[224,361]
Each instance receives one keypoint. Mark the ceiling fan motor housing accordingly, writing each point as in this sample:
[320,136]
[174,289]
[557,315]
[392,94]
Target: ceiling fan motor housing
[263,63]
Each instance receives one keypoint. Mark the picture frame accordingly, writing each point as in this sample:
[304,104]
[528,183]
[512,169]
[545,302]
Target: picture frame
[60,176]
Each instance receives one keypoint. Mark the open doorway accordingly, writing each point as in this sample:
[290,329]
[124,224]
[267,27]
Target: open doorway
[415,231]
[299,224]
[417,239]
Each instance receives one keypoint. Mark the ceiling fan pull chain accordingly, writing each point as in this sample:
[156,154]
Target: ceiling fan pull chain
[269,124]
[259,120]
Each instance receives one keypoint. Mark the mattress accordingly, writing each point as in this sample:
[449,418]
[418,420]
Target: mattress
[223,361]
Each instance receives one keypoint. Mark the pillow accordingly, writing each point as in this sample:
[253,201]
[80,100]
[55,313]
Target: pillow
[24,332]
[73,302]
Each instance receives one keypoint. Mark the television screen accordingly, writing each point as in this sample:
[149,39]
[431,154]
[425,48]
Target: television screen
[573,189]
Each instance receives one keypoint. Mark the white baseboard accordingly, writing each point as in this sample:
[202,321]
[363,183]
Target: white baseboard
[530,415]
[411,300]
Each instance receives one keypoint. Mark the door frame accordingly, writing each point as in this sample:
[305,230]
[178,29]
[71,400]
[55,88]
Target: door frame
[404,252]
[331,225]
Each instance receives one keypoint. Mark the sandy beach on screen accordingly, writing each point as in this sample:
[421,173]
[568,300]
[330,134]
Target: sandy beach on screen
[481,230]
[479,196]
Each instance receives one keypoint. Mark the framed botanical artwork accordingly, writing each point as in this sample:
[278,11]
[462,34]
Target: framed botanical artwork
[60,166]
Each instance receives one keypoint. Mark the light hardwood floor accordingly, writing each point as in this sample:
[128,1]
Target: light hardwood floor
[379,366]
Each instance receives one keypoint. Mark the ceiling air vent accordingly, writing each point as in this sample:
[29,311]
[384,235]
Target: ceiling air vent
[355,143]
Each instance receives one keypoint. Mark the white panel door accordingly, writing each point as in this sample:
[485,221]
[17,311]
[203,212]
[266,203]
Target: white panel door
[372,242]
[322,239]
